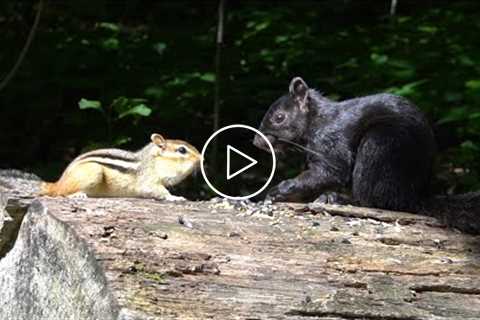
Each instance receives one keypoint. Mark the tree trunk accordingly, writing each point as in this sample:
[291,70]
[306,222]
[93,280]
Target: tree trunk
[393,7]
[218,77]
[25,49]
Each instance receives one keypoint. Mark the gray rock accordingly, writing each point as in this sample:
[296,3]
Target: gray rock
[20,182]
[51,274]
[13,173]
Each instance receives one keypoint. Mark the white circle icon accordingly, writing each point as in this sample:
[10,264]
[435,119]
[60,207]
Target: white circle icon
[238,152]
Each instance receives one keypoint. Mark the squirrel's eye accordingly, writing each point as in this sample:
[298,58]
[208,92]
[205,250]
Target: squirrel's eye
[279,117]
[182,150]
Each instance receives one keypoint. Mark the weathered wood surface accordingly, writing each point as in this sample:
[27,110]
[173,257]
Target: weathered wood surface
[205,260]
[3,212]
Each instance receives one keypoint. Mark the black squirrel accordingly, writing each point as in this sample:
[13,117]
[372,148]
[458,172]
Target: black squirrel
[379,147]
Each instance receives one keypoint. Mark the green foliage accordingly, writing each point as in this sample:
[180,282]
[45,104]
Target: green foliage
[121,107]
[139,110]
[429,53]
[408,89]
[109,26]
[473,85]
[90,104]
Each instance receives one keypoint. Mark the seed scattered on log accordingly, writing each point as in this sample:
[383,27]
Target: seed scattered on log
[184,222]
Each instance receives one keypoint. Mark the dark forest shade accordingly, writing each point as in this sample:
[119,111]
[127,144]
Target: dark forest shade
[165,52]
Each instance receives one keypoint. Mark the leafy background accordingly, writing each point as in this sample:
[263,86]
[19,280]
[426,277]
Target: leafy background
[108,73]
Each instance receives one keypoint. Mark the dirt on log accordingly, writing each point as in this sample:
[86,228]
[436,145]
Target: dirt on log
[147,259]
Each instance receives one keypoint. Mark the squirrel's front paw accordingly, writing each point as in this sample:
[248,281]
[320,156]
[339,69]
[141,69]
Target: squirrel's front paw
[175,198]
[281,191]
[332,198]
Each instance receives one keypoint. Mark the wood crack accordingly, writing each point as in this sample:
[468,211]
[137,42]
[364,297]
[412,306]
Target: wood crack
[402,218]
[445,288]
[349,315]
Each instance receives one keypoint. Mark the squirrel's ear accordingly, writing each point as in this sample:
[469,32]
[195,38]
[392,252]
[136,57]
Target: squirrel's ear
[299,91]
[158,140]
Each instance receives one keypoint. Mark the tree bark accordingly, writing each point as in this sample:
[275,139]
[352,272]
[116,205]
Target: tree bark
[145,259]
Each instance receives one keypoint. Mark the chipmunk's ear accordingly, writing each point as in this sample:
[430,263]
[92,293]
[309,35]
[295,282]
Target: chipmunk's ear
[298,89]
[158,140]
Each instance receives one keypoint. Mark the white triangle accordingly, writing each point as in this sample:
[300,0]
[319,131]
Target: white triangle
[252,162]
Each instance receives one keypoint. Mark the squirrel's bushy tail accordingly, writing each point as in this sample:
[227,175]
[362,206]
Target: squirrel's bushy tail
[459,211]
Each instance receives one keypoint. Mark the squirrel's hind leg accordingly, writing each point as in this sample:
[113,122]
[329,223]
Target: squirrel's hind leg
[392,169]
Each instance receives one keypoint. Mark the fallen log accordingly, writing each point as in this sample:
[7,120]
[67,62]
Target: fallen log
[146,259]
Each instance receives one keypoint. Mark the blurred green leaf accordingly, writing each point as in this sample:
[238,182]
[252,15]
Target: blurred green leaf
[280,39]
[121,140]
[470,145]
[155,92]
[262,26]
[473,84]
[474,115]
[407,89]
[379,58]
[120,104]
[89,104]
[466,60]
[404,19]
[350,63]
[401,64]
[160,47]
[138,110]
[109,26]
[404,74]
[208,77]
[428,29]
[137,100]
[453,96]
[455,114]
[111,44]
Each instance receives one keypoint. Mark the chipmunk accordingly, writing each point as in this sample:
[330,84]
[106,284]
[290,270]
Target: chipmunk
[118,173]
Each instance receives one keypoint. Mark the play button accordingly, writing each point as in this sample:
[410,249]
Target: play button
[251,164]
[232,167]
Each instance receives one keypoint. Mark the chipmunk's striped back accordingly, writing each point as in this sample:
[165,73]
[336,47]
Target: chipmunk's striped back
[121,160]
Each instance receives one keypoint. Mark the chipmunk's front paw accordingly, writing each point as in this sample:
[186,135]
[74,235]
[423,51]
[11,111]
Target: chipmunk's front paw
[174,198]
[78,195]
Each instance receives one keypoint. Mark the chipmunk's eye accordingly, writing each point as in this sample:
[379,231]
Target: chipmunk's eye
[279,117]
[182,150]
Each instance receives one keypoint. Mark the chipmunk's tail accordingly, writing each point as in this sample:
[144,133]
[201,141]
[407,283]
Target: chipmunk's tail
[48,189]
